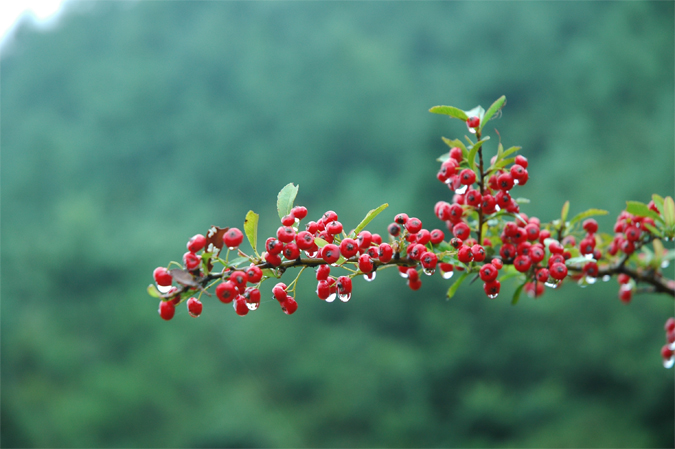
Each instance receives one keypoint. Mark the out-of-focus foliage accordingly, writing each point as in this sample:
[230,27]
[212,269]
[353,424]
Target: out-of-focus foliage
[132,126]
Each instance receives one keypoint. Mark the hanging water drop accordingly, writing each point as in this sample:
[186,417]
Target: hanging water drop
[345,297]
[193,315]
[461,190]
[672,346]
[588,256]
[553,284]
[493,296]
[665,264]
[369,277]
[515,182]
[669,363]
[429,271]
[447,274]
[331,297]
[606,278]
[164,288]
[252,305]
[471,130]
[403,274]
[591,280]
[231,248]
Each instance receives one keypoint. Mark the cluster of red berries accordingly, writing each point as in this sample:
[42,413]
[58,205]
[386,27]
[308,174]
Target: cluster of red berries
[628,231]
[668,350]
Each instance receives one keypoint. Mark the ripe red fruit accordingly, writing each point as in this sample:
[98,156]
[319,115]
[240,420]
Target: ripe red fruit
[505,182]
[464,254]
[304,240]
[590,226]
[324,235]
[288,220]
[456,154]
[670,325]
[329,216]
[299,212]
[364,238]
[472,197]
[519,173]
[522,263]
[497,262]
[226,291]
[254,274]
[334,227]
[322,272]
[252,296]
[312,227]
[344,285]
[285,234]
[194,307]
[279,291]
[162,276]
[507,251]
[467,176]
[556,258]
[488,272]
[423,237]
[532,232]
[625,294]
[166,310]
[330,253]
[291,251]
[436,236]
[289,306]
[385,252]
[429,260]
[394,229]
[272,259]
[191,261]
[349,248]
[240,306]
[591,269]
[555,247]
[323,289]
[492,288]
[273,246]
[196,243]
[415,284]
[365,263]
[521,160]
[587,246]
[502,198]
[413,225]
[623,278]
[632,233]
[666,352]
[478,253]
[461,230]
[233,238]
[542,274]
[488,205]
[239,279]
[558,271]
[532,291]
[473,122]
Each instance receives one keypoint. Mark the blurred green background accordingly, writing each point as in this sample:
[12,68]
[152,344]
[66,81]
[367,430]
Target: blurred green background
[132,126]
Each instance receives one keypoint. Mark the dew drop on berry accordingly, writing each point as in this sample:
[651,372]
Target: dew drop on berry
[231,248]
[370,277]
[552,283]
[588,256]
[606,278]
[346,297]
[461,190]
[312,255]
[471,130]
[591,280]
[447,274]
[404,275]
[672,346]
[669,363]
[493,296]
[428,271]
[515,182]
[331,297]
[164,289]
[193,315]
[252,305]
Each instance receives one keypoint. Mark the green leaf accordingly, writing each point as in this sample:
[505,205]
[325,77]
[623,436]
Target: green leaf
[478,111]
[565,211]
[522,200]
[443,157]
[251,229]
[453,288]
[586,214]
[503,163]
[238,261]
[510,151]
[368,218]
[642,210]
[658,201]
[152,291]
[500,151]
[652,229]
[659,250]
[270,273]
[492,110]
[474,150]
[669,211]
[320,242]
[285,199]
[576,260]
[451,111]
[516,294]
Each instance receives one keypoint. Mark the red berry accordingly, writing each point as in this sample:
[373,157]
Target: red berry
[365,263]
[555,247]
[324,235]
[478,253]
[632,233]
[488,272]
[272,259]
[194,307]
[323,289]
[507,251]
[364,238]
[344,285]
[488,204]
[291,251]
[196,243]
[590,226]
[505,182]
[415,251]
[467,176]
[239,279]
[279,292]
[591,269]
[627,247]
[556,258]
[532,291]
[349,248]
[273,246]
[587,246]
[497,262]
[537,253]
[252,296]
[521,160]
[461,231]
[666,352]
[312,227]
[304,240]
[191,261]
[385,252]
[166,310]
[472,197]
[334,227]
[322,272]
[532,232]
[473,122]
[226,291]
[414,284]
[330,253]
[254,274]
[240,306]
[299,212]
[542,275]
[456,154]
[413,225]
[464,254]
[558,271]
[289,306]
[670,325]
[288,220]
[162,276]
[423,237]
[502,198]
[429,260]
[623,278]
[329,216]
[394,229]
[492,288]
[436,236]
[233,238]
[522,263]
[519,173]
[543,235]
[285,234]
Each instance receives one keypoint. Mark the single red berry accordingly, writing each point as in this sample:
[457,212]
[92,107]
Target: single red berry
[507,251]
[279,291]
[330,253]
[239,279]
[502,198]
[473,122]
[196,243]
[373,252]
[415,251]
[627,247]
[556,258]
[464,254]
[240,306]
[349,248]
[226,291]
[537,253]
[344,285]
[334,227]
[304,240]
[414,284]
[590,226]
[623,278]
[456,213]
[543,235]
[376,239]
[323,289]
[364,239]
[254,274]
[591,269]
[524,248]
[467,176]
[521,160]
[478,252]
[666,352]
[394,229]
[324,235]
[519,173]
[289,306]
[488,272]
[166,310]
[385,252]
[285,234]
[558,271]
[670,325]
[299,212]
[272,259]
[532,232]
[273,246]
[472,197]
[436,236]
[329,216]
[446,267]
[455,243]
[522,263]
[423,237]
[456,154]
[191,261]
[670,336]
[288,220]
[291,251]
[233,238]
[413,225]
[312,227]
[632,233]
[492,288]
[461,231]
[162,276]
[412,274]
[401,218]
[510,229]
[194,307]
[488,205]
[322,272]
[555,247]
[429,260]
[252,296]
[505,182]
[542,274]
[365,263]
[497,262]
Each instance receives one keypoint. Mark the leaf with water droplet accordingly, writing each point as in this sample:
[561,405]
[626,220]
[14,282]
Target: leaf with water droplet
[285,199]
[453,288]
[478,111]
[238,261]
[450,111]
[516,294]
[575,260]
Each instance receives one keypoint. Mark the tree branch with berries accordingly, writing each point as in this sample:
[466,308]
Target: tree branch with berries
[485,236]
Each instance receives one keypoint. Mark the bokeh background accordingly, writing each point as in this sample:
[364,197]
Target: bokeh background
[131,126]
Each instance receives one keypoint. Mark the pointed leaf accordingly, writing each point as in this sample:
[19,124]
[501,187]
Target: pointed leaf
[443,157]
[516,294]
[659,250]
[658,202]
[565,211]
[474,150]
[653,230]
[285,199]
[500,151]
[492,110]
[368,218]
[510,151]
[184,277]
[453,288]
[238,261]
[251,229]
[586,214]
[642,210]
[152,291]
[451,111]
[576,260]
[669,211]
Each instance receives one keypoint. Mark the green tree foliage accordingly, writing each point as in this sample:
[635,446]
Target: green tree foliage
[131,125]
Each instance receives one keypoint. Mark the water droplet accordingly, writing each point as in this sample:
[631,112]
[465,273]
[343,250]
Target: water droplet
[493,296]
[552,284]
[369,277]
[515,182]
[626,287]
[447,274]
[335,264]
[346,297]
[461,190]
[606,278]
[428,271]
[231,248]
[588,256]
[497,208]
[665,264]
[312,255]
[669,363]
[471,130]
[252,305]
[404,275]
[331,297]
[672,346]
[591,280]
[193,315]
[164,289]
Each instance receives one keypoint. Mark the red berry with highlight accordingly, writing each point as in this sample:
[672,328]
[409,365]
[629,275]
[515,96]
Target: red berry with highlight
[194,307]
[233,238]
[162,276]
[196,243]
[166,310]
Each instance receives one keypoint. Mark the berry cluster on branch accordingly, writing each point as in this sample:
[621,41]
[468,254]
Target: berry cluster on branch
[488,238]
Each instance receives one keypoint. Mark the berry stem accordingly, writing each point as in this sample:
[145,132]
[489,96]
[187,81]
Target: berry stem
[482,186]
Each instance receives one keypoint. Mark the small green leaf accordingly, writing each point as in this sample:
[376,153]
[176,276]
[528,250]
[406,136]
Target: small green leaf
[500,151]
[238,261]
[576,260]
[251,229]
[443,157]
[642,210]
[652,229]
[270,273]
[320,242]
[503,163]
[669,211]
[368,218]
[492,110]
[510,151]
[451,111]
[586,214]
[285,199]
[516,294]
[474,150]
[152,291]
[565,211]
[453,288]
[658,202]
[522,200]
[659,250]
